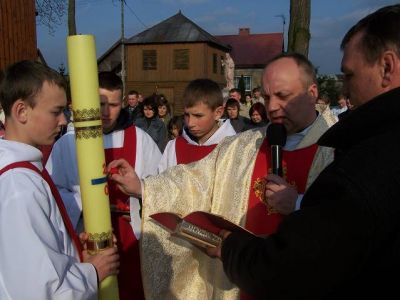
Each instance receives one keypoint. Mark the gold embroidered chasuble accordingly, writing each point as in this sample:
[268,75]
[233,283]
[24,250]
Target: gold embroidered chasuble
[219,183]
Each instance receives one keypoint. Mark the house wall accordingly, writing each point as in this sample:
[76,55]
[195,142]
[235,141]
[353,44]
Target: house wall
[255,74]
[17,31]
[112,61]
[165,80]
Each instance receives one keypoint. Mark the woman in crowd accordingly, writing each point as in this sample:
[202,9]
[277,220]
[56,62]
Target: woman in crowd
[175,127]
[151,123]
[258,115]
[164,110]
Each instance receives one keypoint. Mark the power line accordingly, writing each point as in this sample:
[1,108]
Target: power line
[82,3]
[134,13]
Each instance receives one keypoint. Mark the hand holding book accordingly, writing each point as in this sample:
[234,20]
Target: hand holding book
[200,228]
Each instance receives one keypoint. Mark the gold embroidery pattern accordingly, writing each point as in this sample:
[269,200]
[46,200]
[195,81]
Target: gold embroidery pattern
[259,190]
[99,241]
[90,132]
[92,114]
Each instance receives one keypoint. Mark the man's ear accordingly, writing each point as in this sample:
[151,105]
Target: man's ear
[313,91]
[19,111]
[218,112]
[388,63]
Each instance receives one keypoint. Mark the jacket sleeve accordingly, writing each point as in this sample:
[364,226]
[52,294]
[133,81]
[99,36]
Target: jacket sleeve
[316,249]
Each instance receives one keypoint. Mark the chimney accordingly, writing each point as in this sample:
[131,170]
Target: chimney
[244,31]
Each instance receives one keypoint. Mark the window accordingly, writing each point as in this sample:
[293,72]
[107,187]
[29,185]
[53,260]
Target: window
[215,64]
[247,82]
[222,67]
[149,60]
[181,59]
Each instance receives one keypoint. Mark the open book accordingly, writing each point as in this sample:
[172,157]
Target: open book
[199,227]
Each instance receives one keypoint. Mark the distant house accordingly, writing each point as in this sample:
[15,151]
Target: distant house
[166,57]
[251,52]
[17,31]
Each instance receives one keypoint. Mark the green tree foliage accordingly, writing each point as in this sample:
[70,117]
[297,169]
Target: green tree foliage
[329,88]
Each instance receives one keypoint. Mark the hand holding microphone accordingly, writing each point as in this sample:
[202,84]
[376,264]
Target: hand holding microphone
[276,136]
[280,194]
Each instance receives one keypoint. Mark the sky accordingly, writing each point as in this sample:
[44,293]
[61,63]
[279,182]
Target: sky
[330,20]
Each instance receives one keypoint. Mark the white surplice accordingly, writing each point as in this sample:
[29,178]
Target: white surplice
[63,168]
[168,158]
[37,257]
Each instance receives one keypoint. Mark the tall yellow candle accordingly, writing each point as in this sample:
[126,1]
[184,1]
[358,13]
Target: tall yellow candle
[82,67]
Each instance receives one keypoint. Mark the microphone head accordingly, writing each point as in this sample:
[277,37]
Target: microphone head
[276,134]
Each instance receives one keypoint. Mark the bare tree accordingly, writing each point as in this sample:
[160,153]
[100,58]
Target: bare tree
[299,27]
[50,13]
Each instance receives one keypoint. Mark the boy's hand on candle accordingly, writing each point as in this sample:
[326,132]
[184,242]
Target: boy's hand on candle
[106,262]
[125,177]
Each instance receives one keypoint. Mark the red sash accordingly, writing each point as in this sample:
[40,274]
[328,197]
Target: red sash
[60,204]
[296,165]
[46,150]
[129,277]
[187,153]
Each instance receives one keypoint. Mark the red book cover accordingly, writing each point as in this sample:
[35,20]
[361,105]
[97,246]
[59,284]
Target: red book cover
[199,227]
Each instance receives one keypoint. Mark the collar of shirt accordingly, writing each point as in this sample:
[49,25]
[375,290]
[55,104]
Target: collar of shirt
[294,139]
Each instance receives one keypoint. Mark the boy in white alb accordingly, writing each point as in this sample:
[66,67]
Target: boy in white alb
[121,140]
[203,129]
[40,255]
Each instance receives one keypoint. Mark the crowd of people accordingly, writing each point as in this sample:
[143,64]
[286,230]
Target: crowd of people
[326,228]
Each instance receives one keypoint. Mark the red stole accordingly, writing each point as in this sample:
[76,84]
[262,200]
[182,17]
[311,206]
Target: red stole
[60,204]
[187,153]
[129,277]
[296,165]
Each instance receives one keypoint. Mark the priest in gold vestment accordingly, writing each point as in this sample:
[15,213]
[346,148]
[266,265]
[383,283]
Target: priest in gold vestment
[222,183]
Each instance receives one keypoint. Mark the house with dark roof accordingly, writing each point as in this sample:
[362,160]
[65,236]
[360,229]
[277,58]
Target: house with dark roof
[251,52]
[166,57]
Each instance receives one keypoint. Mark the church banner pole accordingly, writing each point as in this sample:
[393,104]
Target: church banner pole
[82,67]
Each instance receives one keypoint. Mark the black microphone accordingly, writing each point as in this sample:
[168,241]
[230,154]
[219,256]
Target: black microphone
[276,135]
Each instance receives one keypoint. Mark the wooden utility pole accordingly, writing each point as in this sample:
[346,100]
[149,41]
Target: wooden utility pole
[71,18]
[123,73]
[299,27]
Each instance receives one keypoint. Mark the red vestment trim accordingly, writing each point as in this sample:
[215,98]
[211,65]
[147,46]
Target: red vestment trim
[187,153]
[60,204]
[129,277]
[296,166]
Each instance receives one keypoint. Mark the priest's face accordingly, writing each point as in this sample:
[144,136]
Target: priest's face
[43,122]
[111,105]
[289,101]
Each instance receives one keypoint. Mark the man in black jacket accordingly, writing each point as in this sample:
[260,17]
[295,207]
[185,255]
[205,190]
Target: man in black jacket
[345,241]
